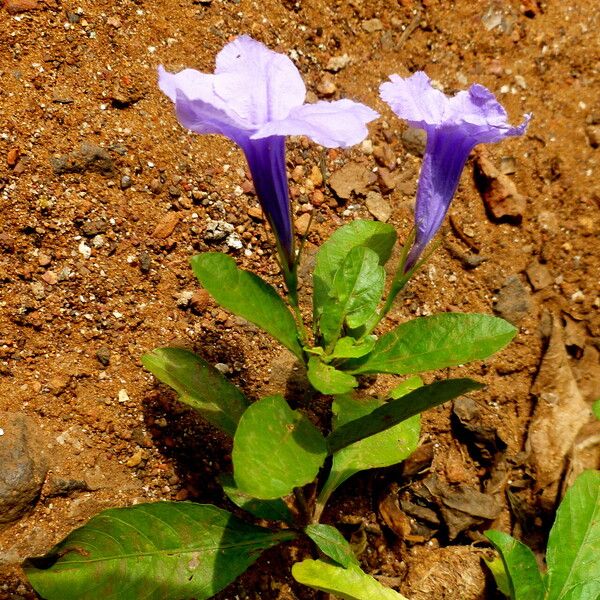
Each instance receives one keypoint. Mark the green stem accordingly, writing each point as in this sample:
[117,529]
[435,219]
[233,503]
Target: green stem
[399,282]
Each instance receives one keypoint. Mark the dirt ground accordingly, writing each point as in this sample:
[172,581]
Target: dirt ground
[104,198]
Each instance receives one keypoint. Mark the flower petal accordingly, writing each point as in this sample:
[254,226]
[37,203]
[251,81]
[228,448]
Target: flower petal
[255,83]
[415,99]
[193,84]
[202,117]
[481,116]
[332,124]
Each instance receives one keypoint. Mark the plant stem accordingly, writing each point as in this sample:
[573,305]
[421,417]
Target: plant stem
[302,504]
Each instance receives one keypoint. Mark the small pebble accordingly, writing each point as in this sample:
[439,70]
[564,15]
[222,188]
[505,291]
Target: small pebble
[50,277]
[337,63]
[372,25]
[103,356]
[326,87]
[44,260]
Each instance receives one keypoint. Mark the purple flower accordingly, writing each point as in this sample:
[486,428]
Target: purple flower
[255,98]
[454,126]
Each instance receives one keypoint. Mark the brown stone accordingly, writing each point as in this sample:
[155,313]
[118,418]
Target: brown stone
[539,276]
[248,187]
[593,135]
[316,176]
[386,180]
[378,206]
[14,7]
[326,87]
[166,226]
[302,223]
[513,301]
[88,157]
[256,213]
[12,158]
[50,277]
[200,301]
[385,157]
[353,177]
[498,191]
[317,198]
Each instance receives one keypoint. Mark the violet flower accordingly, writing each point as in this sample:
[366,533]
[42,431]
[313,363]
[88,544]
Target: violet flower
[255,98]
[454,126]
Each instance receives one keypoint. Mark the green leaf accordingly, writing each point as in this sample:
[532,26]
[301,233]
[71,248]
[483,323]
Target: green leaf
[275,449]
[160,551]
[379,237]
[348,347]
[496,566]
[199,385]
[248,296]
[327,379]
[332,543]
[382,449]
[395,411]
[522,573]
[407,386]
[347,584]
[596,408]
[436,342]
[574,543]
[272,510]
[354,294]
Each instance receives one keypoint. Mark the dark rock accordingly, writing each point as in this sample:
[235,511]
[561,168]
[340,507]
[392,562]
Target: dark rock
[593,135]
[414,141]
[94,227]
[418,461]
[483,440]
[23,466]
[73,17]
[174,191]
[513,301]
[462,507]
[103,356]
[126,93]
[125,182]
[88,157]
[57,486]
[145,262]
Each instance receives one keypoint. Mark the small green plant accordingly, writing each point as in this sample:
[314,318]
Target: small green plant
[285,468]
[186,550]
[572,554]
